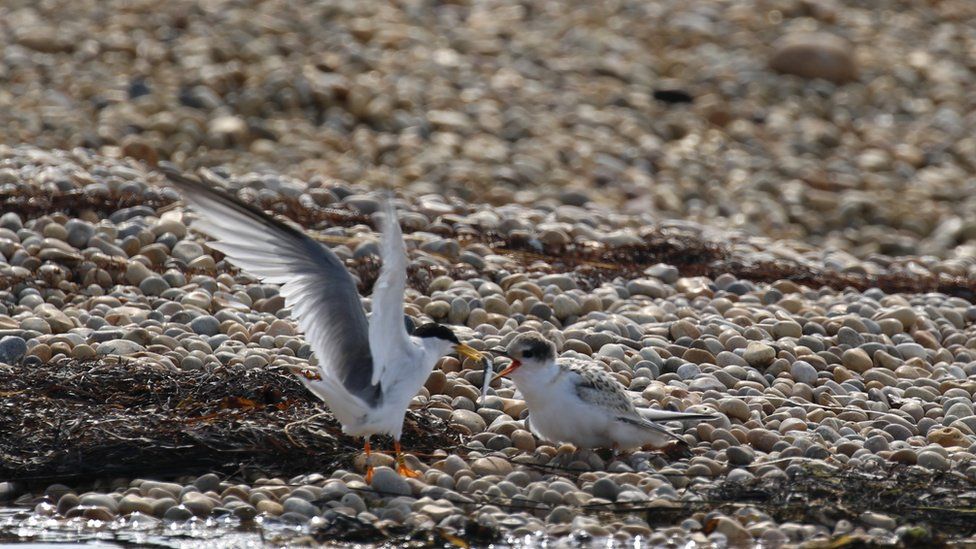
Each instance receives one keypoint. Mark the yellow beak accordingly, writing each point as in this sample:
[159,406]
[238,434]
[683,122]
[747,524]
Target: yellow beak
[467,351]
[511,368]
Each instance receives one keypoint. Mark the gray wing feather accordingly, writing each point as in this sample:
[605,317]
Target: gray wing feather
[598,388]
[650,425]
[649,418]
[386,328]
[652,414]
[315,283]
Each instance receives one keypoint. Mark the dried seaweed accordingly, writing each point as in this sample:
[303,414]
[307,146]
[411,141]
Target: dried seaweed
[592,263]
[32,202]
[695,256]
[71,420]
[914,496]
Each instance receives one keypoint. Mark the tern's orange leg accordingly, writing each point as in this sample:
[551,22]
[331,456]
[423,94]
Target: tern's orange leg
[402,464]
[369,464]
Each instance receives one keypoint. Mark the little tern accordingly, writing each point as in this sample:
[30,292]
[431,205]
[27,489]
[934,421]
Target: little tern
[575,401]
[368,370]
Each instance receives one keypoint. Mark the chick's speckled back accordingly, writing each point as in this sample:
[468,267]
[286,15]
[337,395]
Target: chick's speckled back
[597,387]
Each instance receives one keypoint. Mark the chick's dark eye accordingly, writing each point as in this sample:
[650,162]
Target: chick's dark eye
[527,354]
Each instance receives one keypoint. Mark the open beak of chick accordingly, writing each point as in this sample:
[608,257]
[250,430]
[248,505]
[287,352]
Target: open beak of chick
[511,368]
[514,365]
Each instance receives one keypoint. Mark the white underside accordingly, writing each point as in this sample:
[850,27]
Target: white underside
[358,419]
[563,417]
[402,383]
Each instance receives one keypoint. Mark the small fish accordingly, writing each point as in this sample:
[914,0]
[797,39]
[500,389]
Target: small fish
[489,374]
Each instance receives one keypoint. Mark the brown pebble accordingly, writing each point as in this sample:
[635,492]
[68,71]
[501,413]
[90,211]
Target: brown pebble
[67,502]
[491,465]
[948,437]
[814,55]
[449,364]
[906,456]
[523,440]
[41,351]
[857,360]
[436,382]
[269,507]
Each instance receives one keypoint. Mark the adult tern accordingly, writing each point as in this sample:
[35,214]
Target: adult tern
[368,370]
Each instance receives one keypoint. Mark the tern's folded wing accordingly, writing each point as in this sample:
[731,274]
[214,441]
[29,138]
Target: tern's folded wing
[648,425]
[315,283]
[648,418]
[652,414]
[597,387]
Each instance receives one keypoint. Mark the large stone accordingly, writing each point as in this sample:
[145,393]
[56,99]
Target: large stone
[44,38]
[12,349]
[857,360]
[803,372]
[119,347]
[491,466]
[737,534]
[740,455]
[300,506]
[136,272]
[948,437]
[815,55]
[388,482]
[205,325]
[759,355]
[58,321]
[187,250]
[132,503]
[468,419]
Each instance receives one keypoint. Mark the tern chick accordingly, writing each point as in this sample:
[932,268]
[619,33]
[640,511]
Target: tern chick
[576,401]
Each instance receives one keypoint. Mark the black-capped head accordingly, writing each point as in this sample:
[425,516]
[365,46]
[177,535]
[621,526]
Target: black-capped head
[439,331]
[531,347]
[528,350]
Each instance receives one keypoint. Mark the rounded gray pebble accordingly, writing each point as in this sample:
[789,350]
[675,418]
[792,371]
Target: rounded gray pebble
[606,488]
[205,325]
[153,285]
[933,460]
[12,349]
[177,513]
[208,482]
[804,372]
[300,506]
[740,455]
[387,481]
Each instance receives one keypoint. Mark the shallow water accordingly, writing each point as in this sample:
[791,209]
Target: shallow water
[20,525]
[23,527]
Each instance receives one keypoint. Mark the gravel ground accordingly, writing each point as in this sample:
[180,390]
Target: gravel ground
[762,208]
[872,391]
[490,99]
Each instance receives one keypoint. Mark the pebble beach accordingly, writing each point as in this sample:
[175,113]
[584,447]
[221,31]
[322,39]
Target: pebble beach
[673,189]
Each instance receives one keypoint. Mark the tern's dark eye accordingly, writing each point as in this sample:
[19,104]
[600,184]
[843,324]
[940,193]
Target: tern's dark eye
[527,353]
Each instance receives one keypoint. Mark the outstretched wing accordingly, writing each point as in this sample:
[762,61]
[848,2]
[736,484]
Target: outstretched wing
[315,283]
[387,334]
